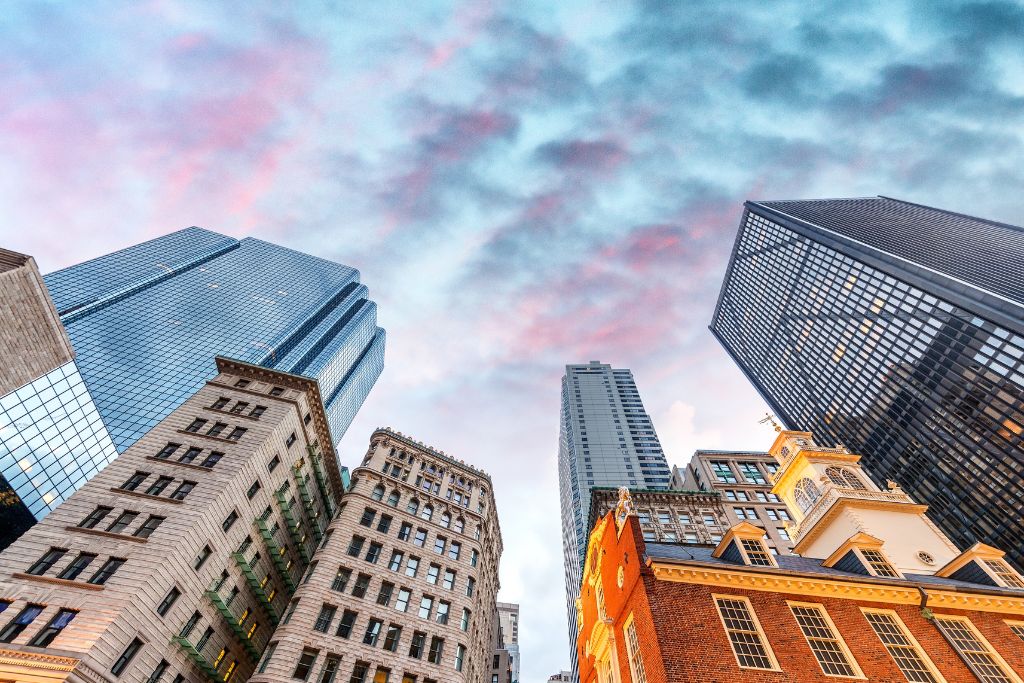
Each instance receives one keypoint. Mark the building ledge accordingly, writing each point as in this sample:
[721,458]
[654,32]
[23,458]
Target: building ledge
[219,439]
[147,496]
[231,414]
[57,582]
[106,534]
[179,464]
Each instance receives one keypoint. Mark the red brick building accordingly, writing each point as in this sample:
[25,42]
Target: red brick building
[881,605]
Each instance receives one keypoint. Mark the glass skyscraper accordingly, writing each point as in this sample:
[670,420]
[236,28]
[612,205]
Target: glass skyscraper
[897,330]
[606,439]
[147,321]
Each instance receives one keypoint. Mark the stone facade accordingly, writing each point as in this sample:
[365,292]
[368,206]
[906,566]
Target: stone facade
[668,516]
[177,560]
[403,588]
[743,479]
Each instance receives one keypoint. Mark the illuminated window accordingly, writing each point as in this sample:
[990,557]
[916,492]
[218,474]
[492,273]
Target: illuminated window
[825,643]
[902,647]
[748,642]
[972,647]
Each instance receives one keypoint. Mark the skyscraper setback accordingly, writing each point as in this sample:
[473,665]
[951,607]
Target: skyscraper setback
[606,439]
[147,320]
[897,330]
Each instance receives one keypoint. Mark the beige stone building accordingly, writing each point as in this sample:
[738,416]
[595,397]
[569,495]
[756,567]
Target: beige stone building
[744,480]
[403,588]
[176,562]
[695,517]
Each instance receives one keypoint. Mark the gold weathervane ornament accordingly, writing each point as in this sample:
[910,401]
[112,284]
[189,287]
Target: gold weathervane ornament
[624,508]
[770,419]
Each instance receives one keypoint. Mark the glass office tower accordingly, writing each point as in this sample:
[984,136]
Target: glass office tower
[606,439]
[147,321]
[898,330]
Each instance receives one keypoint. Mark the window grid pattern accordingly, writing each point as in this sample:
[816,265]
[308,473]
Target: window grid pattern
[879,565]
[904,652]
[978,656]
[1005,573]
[823,641]
[636,662]
[744,635]
[930,393]
[1018,630]
[756,552]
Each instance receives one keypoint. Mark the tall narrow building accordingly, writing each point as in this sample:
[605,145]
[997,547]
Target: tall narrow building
[897,330]
[146,320]
[508,620]
[606,439]
[52,438]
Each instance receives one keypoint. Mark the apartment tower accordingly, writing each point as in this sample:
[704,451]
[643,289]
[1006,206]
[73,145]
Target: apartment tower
[743,479]
[403,587]
[897,330]
[179,558]
[606,439]
[51,436]
[146,320]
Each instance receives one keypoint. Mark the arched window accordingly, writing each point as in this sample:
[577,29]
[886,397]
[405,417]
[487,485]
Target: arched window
[378,492]
[460,524]
[393,498]
[446,520]
[412,507]
[428,512]
[841,476]
[806,493]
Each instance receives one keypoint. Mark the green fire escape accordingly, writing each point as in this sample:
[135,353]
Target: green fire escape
[256,586]
[233,623]
[197,657]
[277,554]
[291,523]
[307,503]
[321,481]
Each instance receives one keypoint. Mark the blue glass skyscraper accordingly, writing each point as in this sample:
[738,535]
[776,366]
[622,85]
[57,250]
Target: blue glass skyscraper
[146,323]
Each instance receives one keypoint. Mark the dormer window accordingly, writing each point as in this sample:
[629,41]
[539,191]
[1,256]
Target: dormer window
[845,478]
[756,553]
[862,554]
[984,565]
[1004,573]
[744,544]
[878,565]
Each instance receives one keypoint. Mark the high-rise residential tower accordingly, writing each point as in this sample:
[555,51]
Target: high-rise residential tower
[51,436]
[145,322]
[897,330]
[606,439]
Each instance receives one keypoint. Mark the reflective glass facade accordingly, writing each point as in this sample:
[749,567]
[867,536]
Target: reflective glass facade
[52,441]
[853,321]
[146,323]
[606,439]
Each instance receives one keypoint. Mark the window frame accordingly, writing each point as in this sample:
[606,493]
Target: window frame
[1006,669]
[918,649]
[765,643]
[836,636]
[638,673]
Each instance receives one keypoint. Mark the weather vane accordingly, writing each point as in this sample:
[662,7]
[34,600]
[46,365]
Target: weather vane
[770,419]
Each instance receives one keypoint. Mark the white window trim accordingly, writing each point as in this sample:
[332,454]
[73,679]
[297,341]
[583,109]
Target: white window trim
[757,624]
[746,557]
[1015,624]
[858,672]
[642,678]
[921,652]
[995,577]
[1007,669]
[867,564]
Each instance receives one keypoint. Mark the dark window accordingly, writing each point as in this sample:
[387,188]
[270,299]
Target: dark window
[168,601]
[274,462]
[189,625]
[367,518]
[373,553]
[77,566]
[159,671]
[436,650]
[348,618]
[53,628]
[106,571]
[256,486]
[217,428]
[372,632]
[191,454]
[202,557]
[158,486]
[150,525]
[341,579]
[133,481]
[391,639]
[239,407]
[257,411]
[404,531]
[95,517]
[356,546]
[122,521]
[43,564]
[242,383]
[277,391]
[362,584]
[220,403]
[237,433]
[324,619]
[126,657]
[419,639]
[384,594]
[330,669]
[229,521]
[20,623]
[359,672]
[183,490]
[212,459]
[195,426]
[384,524]
[290,440]
[307,419]
[168,450]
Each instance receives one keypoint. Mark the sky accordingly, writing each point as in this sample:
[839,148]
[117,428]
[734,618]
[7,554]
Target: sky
[522,185]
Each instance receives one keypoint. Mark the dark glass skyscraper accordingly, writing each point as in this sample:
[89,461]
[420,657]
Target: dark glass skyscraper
[898,330]
[146,323]
[606,439]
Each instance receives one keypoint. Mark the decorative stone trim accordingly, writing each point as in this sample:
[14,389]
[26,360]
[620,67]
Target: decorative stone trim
[106,534]
[207,436]
[38,660]
[147,496]
[242,415]
[58,582]
[179,464]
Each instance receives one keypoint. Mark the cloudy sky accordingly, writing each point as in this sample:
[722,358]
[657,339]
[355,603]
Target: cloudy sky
[522,185]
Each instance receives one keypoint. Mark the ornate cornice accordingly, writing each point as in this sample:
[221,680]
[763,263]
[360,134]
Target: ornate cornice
[37,660]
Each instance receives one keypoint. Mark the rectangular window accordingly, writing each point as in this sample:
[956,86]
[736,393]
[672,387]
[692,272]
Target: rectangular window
[133,481]
[464,622]
[1017,628]
[191,454]
[305,664]
[751,473]
[256,486]
[257,411]
[195,426]
[436,650]
[229,521]
[44,563]
[95,517]
[412,566]
[421,538]
[827,646]
[367,518]
[756,553]
[148,527]
[274,462]
[237,433]
[1004,573]
[330,670]
[372,632]
[419,639]
[362,584]
[636,662]
[106,571]
[341,579]
[384,524]
[239,407]
[53,628]
[355,546]
[159,671]
[443,608]
[878,564]
[165,605]
[391,639]
[20,623]
[402,603]
[183,490]
[277,391]
[220,403]
[373,553]
[290,440]
[404,531]
[77,566]
[384,594]
[126,657]
[449,579]
[242,383]
[324,619]
[470,585]
[460,657]
[217,428]
[202,557]
[212,459]
[902,646]
[454,550]
[439,544]
[348,620]
[395,563]
[168,450]
[745,635]
[266,658]
[122,521]
[723,472]
[426,606]
[976,652]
